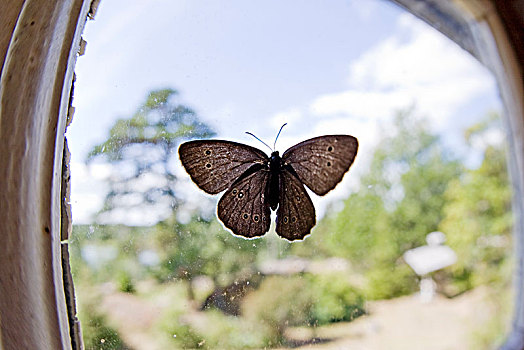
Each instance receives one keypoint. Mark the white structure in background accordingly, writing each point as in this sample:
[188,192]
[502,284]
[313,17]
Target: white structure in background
[426,259]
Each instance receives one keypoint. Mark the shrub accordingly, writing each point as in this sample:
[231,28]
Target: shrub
[97,334]
[179,333]
[282,302]
[334,299]
[125,283]
[278,303]
[389,281]
[212,330]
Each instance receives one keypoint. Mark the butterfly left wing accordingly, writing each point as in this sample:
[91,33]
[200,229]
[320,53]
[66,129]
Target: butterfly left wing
[215,164]
[244,207]
[296,213]
[321,162]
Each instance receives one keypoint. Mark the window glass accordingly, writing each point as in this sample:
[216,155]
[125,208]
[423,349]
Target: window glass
[411,249]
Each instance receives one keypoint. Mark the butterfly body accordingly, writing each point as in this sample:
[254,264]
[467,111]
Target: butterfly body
[255,184]
[275,165]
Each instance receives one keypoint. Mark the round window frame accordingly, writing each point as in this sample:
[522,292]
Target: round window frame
[39,44]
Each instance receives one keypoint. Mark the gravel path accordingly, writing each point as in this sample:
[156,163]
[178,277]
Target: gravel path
[407,323]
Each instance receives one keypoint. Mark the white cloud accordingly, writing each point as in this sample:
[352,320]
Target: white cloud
[360,103]
[414,56]
[416,66]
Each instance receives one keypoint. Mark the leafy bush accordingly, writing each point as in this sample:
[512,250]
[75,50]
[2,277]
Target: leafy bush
[125,283]
[181,334]
[278,303]
[282,302]
[389,281]
[201,248]
[212,330]
[97,334]
[334,299]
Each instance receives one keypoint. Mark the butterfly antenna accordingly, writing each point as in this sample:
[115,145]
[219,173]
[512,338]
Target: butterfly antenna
[282,127]
[247,132]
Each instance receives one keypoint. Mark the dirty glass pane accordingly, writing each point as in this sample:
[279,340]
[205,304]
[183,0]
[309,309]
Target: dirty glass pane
[411,250]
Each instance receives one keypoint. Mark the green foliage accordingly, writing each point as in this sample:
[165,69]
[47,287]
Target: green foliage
[413,187]
[358,229]
[389,280]
[125,283]
[180,334]
[410,172]
[478,220]
[212,330]
[159,121]
[286,301]
[421,209]
[229,332]
[142,149]
[278,303]
[400,201]
[406,143]
[203,248]
[334,299]
[97,334]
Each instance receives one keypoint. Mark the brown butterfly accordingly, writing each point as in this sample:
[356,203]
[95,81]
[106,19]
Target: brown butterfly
[254,182]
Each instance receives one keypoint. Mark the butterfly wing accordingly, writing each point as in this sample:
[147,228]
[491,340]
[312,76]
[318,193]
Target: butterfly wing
[244,208]
[296,213]
[214,164]
[321,162]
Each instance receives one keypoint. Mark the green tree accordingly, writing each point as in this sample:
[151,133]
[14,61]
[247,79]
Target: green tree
[145,147]
[356,230]
[142,151]
[478,217]
[421,209]
[410,171]
[400,201]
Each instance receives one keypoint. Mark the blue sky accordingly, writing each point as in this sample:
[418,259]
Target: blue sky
[341,66]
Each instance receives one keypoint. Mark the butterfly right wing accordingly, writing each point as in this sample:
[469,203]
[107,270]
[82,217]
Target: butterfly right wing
[244,207]
[296,213]
[215,164]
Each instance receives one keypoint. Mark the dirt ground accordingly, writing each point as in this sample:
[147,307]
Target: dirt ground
[409,323]
[404,323]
